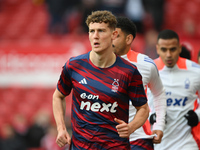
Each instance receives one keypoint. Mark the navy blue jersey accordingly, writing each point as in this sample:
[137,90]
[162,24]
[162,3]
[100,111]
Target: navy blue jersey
[100,95]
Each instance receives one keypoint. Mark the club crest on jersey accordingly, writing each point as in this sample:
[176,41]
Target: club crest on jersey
[115,85]
[187,83]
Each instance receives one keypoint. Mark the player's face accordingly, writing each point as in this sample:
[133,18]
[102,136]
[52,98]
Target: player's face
[101,36]
[168,50]
[119,43]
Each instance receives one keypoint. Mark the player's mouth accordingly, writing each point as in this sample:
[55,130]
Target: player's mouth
[96,44]
[169,61]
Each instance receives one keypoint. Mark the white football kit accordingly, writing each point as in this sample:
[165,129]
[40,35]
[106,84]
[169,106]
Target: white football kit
[181,83]
[151,79]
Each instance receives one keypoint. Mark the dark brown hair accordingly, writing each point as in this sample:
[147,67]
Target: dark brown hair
[102,16]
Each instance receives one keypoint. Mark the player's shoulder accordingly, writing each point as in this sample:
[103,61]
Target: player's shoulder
[146,61]
[77,60]
[80,57]
[125,62]
[136,57]
[145,58]
[192,66]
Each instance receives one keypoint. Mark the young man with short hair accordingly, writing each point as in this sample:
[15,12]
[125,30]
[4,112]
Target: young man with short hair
[102,85]
[142,138]
[181,79]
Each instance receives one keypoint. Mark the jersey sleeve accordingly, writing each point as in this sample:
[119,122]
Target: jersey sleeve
[136,90]
[64,84]
[158,98]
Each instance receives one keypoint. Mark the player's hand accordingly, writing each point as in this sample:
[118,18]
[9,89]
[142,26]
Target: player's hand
[152,118]
[192,118]
[63,138]
[123,128]
[157,139]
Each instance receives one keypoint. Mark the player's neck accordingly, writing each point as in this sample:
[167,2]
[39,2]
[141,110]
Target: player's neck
[125,51]
[102,60]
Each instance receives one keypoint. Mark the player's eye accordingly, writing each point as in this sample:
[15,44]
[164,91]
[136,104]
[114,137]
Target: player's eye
[173,49]
[91,30]
[163,49]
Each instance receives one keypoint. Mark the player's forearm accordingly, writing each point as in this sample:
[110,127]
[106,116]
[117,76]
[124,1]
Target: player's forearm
[160,109]
[140,117]
[59,112]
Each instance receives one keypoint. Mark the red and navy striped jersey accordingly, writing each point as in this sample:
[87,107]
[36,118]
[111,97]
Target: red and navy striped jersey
[100,95]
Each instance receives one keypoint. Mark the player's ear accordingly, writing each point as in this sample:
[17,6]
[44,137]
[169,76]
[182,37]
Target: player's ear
[129,39]
[157,49]
[180,48]
[114,35]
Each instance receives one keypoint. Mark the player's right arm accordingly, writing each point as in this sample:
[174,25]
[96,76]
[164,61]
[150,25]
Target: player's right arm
[63,136]
[159,102]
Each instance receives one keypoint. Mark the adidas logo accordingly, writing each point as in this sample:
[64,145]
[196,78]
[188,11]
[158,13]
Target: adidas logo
[83,81]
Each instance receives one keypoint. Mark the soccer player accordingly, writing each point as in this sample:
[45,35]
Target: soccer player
[142,138]
[181,79]
[102,85]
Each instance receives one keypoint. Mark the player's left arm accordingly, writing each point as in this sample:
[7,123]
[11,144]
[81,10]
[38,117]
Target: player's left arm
[197,109]
[125,129]
[140,117]
[139,100]
[198,106]
[198,100]
[193,115]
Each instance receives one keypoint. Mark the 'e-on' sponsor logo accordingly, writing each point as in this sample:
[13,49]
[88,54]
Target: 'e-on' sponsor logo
[96,106]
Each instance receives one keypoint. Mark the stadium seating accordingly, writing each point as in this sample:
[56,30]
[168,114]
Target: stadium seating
[26,101]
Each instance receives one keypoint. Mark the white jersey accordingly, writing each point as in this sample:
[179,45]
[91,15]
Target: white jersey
[150,78]
[181,84]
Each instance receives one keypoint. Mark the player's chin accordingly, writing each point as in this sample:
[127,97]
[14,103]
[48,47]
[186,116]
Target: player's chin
[169,65]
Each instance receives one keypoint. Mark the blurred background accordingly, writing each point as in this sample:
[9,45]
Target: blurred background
[38,36]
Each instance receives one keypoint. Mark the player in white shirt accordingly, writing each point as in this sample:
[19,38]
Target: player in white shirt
[143,138]
[181,79]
